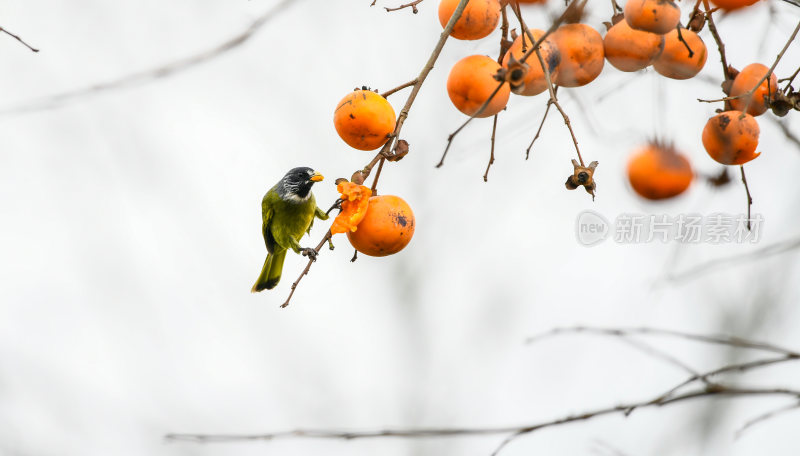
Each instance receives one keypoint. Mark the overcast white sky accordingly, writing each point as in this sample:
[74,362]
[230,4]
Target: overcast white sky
[130,239]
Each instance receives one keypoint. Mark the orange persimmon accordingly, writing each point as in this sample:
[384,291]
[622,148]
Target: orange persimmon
[654,16]
[387,227]
[676,61]
[629,49]
[731,138]
[355,200]
[745,81]
[364,120]
[581,49]
[471,82]
[658,171]
[479,19]
[534,82]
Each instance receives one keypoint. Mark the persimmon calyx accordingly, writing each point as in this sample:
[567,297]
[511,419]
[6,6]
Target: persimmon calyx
[582,176]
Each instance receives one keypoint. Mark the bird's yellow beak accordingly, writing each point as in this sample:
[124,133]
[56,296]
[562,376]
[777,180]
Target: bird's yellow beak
[317,177]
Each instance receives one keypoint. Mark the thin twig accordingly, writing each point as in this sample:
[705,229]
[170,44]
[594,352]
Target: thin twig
[680,38]
[491,153]
[466,122]
[765,416]
[413,6]
[156,73]
[647,331]
[749,197]
[311,259]
[735,260]
[377,176]
[398,88]
[18,39]
[712,27]
[539,131]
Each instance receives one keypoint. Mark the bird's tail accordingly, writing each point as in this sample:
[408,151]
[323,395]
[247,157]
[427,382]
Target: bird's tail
[271,272]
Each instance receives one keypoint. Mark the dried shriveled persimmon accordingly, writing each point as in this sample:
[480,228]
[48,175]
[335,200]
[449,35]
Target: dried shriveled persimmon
[479,19]
[535,81]
[364,120]
[654,16]
[471,82]
[355,200]
[628,49]
[731,5]
[658,171]
[675,61]
[731,138]
[744,82]
[582,57]
[386,229]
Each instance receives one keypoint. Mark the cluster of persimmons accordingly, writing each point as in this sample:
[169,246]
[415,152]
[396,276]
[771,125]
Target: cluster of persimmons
[647,33]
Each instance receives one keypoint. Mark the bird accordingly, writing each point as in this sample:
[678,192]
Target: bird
[287,211]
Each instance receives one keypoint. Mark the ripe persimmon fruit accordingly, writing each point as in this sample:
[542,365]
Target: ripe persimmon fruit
[582,57]
[658,171]
[731,138]
[535,81]
[471,82]
[479,19]
[731,5]
[674,61]
[628,49]
[654,16]
[744,82]
[387,227]
[364,120]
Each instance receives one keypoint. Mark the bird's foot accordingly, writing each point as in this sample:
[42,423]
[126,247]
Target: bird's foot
[310,253]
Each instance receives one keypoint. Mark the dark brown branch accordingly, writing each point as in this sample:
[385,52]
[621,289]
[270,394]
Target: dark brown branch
[157,73]
[712,27]
[18,39]
[311,259]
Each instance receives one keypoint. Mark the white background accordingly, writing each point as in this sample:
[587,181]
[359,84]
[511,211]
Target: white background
[130,238]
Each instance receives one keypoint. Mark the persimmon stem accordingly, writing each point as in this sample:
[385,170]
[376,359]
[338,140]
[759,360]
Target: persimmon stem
[539,131]
[399,88]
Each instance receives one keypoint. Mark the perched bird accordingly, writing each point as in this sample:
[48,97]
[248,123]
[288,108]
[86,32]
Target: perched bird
[288,210]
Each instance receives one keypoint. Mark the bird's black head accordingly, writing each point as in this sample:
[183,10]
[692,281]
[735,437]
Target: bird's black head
[297,183]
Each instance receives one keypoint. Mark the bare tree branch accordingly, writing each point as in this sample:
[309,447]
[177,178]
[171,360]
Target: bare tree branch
[152,74]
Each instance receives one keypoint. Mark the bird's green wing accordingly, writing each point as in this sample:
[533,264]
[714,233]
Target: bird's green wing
[266,221]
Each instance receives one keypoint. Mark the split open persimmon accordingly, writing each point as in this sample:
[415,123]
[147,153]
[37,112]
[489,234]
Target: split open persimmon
[654,16]
[676,60]
[364,120]
[387,227]
[479,19]
[629,49]
[658,171]
[582,57]
[731,5]
[731,138]
[744,82]
[534,82]
[471,82]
